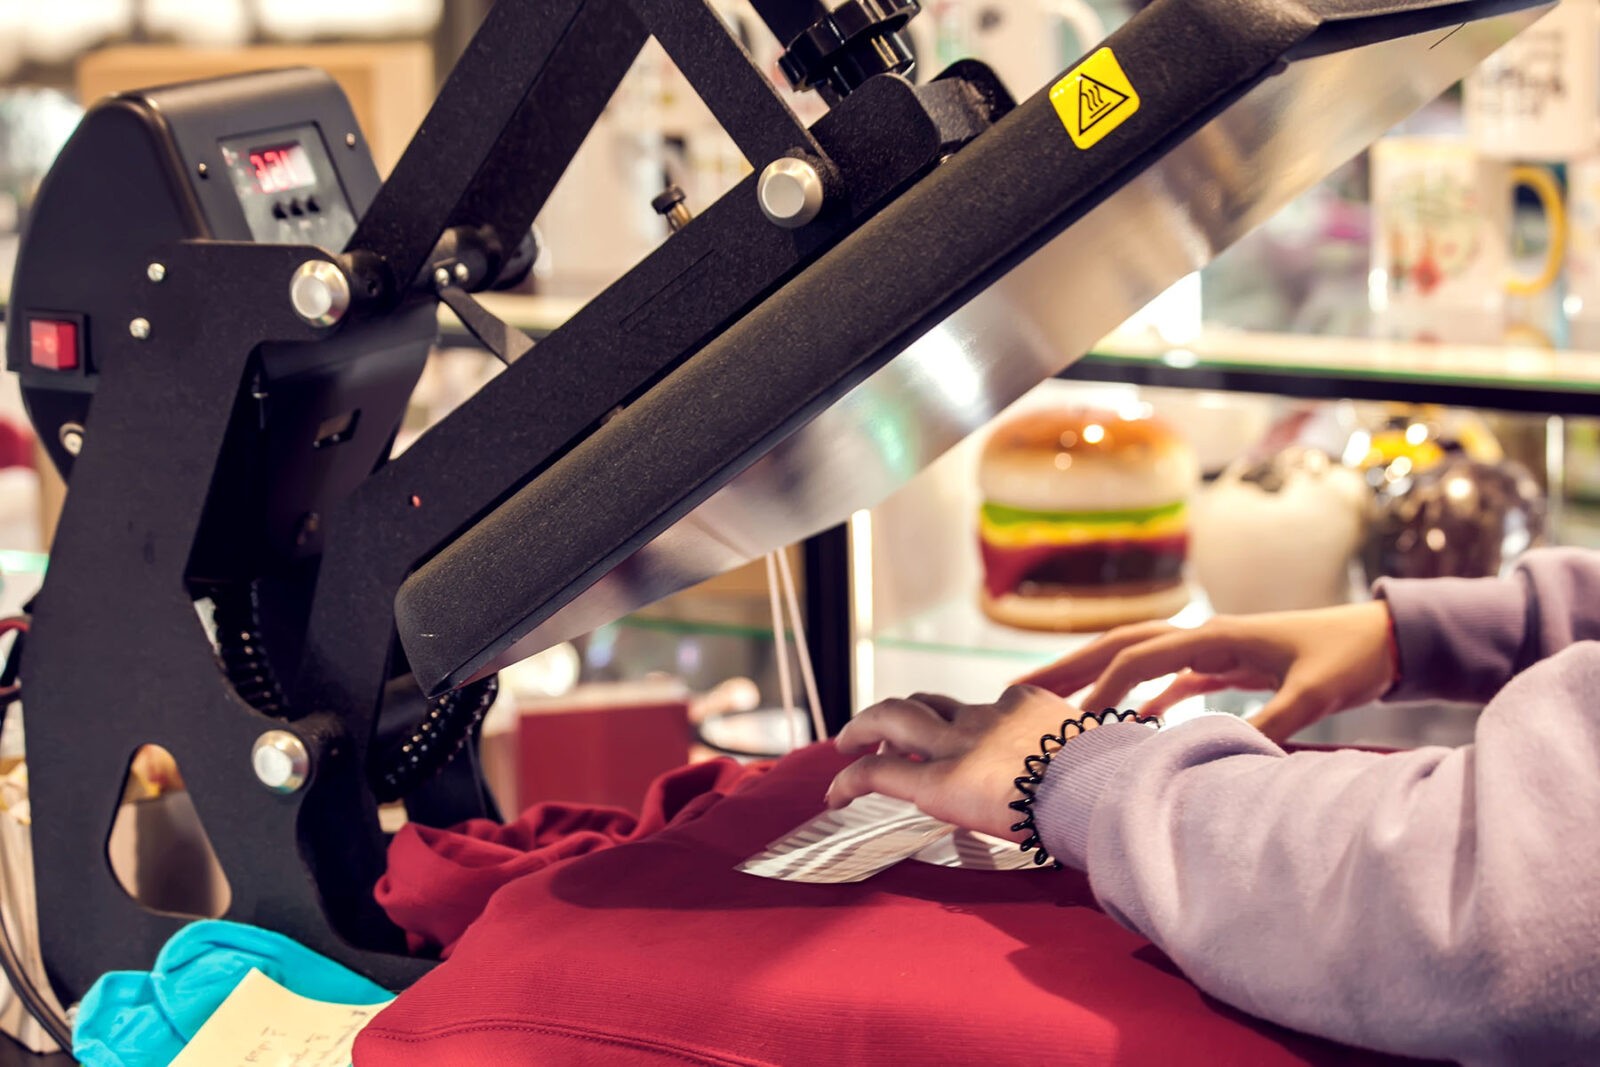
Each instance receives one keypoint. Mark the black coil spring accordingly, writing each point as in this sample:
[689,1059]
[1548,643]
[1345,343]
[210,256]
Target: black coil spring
[237,614]
[437,739]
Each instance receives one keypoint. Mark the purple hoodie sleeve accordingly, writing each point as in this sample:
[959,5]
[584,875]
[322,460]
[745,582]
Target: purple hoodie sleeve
[1438,902]
[1463,639]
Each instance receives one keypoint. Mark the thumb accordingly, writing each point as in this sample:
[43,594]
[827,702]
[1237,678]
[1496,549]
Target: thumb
[1291,709]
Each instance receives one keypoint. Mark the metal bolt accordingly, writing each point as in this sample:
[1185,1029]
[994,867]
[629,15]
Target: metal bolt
[156,272]
[203,170]
[462,273]
[139,329]
[320,292]
[441,278]
[672,205]
[71,438]
[791,192]
[281,761]
[349,140]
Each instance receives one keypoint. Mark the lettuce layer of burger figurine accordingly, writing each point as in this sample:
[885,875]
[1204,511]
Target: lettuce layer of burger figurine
[1084,523]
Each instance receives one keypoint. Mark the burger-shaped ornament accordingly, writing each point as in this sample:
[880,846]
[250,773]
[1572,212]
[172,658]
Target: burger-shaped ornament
[1085,520]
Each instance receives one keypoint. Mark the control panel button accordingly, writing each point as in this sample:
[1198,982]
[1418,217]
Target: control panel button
[279,211]
[53,344]
[312,207]
[295,209]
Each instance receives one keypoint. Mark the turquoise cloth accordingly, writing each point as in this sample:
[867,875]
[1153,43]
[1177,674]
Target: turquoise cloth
[143,1019]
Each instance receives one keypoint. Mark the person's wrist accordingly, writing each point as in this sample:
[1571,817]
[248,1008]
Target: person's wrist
[1392,677]
[1036,765]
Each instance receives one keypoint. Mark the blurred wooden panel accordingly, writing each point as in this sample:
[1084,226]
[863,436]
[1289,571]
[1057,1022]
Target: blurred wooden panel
[390,85]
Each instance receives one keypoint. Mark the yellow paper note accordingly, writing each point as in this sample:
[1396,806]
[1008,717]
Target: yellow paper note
[262,1024]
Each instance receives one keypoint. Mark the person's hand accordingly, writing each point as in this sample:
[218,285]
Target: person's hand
[1320,662]
[957,762]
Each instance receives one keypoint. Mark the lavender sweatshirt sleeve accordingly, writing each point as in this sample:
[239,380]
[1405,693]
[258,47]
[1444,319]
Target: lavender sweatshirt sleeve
[1441,902]
[1463,639]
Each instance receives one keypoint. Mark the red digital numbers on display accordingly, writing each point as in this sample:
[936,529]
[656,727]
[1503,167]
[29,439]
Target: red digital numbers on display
[282,168]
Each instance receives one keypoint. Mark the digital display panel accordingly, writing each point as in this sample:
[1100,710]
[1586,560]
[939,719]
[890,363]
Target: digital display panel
[282,167]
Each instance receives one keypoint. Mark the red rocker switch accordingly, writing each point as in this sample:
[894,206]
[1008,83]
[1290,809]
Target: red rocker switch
[54,344]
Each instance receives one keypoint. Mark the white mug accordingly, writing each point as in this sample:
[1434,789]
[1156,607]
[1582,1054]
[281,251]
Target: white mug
[1441,239]
[1538,97]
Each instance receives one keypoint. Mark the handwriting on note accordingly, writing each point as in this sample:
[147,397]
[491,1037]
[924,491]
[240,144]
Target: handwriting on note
[262,1024]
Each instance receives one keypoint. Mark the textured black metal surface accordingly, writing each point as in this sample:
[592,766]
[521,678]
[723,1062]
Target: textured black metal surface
[508,343]
[703,278]
[545,131]
[117,597]
[509,119]
[164,466]
[478,125]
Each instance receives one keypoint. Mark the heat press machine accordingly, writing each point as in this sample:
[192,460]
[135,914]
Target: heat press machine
[220,311]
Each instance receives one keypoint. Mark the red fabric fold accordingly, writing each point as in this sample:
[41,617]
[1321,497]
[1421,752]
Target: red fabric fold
[439,881]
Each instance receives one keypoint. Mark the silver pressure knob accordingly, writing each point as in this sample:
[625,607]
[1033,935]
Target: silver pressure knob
[281,761]
[320,292]
[791,192]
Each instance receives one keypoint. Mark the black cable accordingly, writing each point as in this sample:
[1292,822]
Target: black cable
[10,963]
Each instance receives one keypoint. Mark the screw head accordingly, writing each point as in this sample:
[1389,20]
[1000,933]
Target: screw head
[281,761]
[462,273]
[139,329]
[791,192]
[203,170]
[156,272]
[441,278]
[71,436]
[319,292]
[350,140]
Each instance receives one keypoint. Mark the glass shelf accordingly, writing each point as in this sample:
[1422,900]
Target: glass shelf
[958,627]
[1497,377]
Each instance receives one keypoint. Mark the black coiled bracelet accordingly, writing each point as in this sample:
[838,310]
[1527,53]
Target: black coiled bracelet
[1049,745]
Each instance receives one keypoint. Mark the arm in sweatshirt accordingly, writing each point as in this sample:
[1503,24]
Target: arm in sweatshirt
[1441,903]
[1463,639]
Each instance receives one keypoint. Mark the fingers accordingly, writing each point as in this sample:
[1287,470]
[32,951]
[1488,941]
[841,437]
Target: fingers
[945,707]
[1071,673]
[1193,683]
[1208,650]
[888,775]
[904,725]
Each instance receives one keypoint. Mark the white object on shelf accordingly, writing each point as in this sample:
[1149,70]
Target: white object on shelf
[1280,545]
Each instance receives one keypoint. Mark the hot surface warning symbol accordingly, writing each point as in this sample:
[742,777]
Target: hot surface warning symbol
[1096,102]
[1095,98]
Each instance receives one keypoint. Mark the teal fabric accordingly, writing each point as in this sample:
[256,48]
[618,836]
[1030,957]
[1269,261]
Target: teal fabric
[143,1019]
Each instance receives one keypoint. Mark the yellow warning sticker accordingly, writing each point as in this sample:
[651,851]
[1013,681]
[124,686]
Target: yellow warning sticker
[1094,99]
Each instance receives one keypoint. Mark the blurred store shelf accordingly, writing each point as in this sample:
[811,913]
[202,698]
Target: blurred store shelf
[1498,377]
